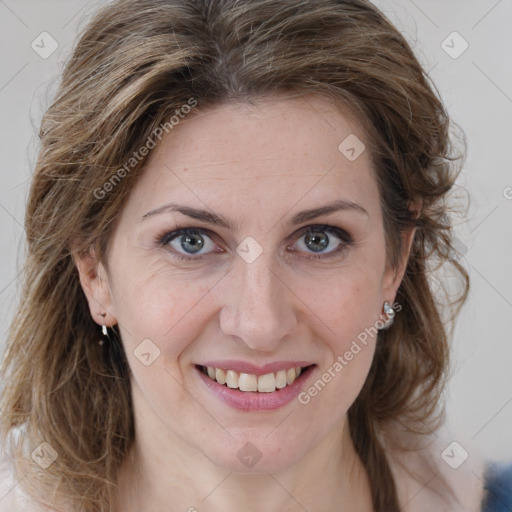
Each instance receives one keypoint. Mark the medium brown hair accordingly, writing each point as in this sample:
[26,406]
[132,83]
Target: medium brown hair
[136,63]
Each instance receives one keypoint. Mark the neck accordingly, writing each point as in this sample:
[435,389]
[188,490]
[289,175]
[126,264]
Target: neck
[162,471]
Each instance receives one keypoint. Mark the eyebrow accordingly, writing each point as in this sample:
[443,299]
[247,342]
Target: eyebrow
[219,220]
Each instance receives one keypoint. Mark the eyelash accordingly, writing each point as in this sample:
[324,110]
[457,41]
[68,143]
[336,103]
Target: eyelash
[169,235]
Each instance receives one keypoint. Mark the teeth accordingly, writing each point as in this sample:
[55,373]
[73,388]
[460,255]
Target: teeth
[220,376]
[281,379]
[248,382]
[232,379]
[267,383]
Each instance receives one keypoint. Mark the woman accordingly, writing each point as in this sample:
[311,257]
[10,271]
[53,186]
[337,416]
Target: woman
[232,231]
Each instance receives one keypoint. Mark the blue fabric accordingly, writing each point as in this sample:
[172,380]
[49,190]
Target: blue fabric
[498,486]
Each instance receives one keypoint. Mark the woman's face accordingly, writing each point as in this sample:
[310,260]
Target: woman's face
[257,294]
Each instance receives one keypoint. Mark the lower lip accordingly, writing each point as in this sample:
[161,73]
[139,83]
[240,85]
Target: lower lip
[254,400]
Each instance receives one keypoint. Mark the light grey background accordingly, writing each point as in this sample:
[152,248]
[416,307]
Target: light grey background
[477,90]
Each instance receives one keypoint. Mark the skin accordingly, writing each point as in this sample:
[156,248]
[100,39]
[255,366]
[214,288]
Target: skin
[258,165]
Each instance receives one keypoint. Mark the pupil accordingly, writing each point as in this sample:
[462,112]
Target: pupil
[196,245]
[317,238]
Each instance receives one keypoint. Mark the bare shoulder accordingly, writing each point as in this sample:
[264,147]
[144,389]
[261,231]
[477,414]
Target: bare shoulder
[441,475]
[8,504]
[12,496]
[8,484]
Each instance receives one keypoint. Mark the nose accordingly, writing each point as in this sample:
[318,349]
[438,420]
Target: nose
[260,306]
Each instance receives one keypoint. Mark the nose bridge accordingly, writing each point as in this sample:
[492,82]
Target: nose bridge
[260,311]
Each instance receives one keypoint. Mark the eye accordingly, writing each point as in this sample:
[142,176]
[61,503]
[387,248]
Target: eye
[316,239]
[193,243]
[188,241]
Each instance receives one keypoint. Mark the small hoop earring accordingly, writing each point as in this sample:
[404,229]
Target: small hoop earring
[104,330]
[390,314]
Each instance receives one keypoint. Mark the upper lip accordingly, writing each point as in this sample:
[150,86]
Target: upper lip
[246,367]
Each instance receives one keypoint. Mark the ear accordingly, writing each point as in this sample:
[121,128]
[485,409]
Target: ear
[96,286]
[393,276]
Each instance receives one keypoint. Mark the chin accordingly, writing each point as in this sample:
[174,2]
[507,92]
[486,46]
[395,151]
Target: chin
[252,456]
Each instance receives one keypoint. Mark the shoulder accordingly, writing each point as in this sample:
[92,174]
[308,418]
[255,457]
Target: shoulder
[498,487]
[15,475]
[439,475]
[8,487]
[12,496]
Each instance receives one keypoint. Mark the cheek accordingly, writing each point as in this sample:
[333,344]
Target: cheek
[350,311]
[346,302]
[351,343]
[159,304]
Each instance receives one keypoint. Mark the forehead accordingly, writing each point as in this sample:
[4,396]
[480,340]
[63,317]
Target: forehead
[274,154]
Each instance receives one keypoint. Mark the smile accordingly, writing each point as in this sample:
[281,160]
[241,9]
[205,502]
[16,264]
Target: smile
[266,390]
[267,383]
